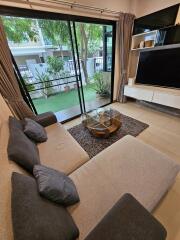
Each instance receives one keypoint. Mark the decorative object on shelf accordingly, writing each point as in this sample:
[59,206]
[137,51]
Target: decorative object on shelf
[141,44]
[131,81]
[149,43]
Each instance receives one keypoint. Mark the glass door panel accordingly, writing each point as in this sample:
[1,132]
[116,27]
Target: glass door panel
[64,66]
[43,52]
[95,55]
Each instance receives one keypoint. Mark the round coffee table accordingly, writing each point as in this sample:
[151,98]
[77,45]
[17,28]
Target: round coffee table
[102,122]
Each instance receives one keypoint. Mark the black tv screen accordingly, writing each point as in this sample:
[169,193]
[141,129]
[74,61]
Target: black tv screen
[156,20]
[159,68]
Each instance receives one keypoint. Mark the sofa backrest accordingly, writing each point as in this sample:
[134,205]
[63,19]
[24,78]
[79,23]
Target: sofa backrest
[6,169]
[4,111]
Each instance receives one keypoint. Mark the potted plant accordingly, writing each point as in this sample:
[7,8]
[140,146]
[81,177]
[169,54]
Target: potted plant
[101,85]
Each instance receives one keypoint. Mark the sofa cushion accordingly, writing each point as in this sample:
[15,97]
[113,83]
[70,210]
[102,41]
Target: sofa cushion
[35,131]
[45,119]
[128,165]
[20,148]
[61,151]
[128,220]
[55,186]
[35,218]
[15,123]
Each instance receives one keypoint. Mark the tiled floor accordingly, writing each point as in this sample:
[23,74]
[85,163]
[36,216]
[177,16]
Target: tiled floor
[164,134]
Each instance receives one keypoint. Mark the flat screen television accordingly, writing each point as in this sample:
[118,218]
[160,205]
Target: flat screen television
[157,20]
[159,68]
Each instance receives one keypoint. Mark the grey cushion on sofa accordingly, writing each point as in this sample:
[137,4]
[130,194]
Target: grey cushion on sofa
[55,186]
[45,119]
[128,220]
[15,123]
[35,131]
[20,148]
[35,218]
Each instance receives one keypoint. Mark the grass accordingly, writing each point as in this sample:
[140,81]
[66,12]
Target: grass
[63,100]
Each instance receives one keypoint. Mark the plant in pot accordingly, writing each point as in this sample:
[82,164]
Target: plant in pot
[46,84]
[30,87]
[101,85]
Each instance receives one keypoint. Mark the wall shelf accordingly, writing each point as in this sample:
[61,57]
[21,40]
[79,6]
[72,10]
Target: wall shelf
[143,37]
[139,49]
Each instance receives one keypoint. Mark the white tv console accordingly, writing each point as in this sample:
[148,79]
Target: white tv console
[164,96]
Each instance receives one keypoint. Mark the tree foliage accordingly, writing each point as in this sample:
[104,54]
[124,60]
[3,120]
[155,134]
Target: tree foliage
[89,37]
[20,29]
[55,65]
[92,36]
[55,31]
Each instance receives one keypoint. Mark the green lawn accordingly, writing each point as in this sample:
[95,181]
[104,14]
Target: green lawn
[63,100]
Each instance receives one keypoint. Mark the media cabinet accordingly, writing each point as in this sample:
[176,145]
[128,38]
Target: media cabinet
[164,96]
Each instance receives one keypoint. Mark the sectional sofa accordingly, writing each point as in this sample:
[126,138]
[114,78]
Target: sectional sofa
[127,166]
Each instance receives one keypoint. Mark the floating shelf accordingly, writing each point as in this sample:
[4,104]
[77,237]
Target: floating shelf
[139,49]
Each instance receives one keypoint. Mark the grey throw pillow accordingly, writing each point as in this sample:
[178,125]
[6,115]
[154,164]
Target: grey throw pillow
[55,186]
[34,217]
[20,148]
[35,131]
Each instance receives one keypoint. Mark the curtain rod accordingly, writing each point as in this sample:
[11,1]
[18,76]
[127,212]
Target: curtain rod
[77,5]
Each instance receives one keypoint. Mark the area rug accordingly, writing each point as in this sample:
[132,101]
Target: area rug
[93,145]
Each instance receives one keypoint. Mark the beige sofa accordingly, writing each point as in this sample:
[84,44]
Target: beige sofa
[123,167]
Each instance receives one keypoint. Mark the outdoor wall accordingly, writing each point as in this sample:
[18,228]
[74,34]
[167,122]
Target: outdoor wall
[21,60]
[143,7]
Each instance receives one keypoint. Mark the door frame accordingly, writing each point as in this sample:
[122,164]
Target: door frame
[30,13]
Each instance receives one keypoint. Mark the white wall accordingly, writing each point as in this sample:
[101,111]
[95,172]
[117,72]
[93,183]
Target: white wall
[117,5]
[144,7]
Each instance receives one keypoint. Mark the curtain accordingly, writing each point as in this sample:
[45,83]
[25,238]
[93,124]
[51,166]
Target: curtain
[124,31]
[9,87]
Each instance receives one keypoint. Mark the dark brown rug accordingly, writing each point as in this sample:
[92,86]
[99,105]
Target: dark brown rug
[93,145]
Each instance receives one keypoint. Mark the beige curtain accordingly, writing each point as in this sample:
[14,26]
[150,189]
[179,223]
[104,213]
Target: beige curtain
[9,87]
[124,31]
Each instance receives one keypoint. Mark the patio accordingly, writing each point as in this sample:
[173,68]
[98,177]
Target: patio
[66,104]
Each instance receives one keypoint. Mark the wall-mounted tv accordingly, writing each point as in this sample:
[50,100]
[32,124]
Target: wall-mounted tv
[157,20]
[159,68]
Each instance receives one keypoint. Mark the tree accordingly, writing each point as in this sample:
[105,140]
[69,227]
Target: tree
[20,29]
[55,68]
[55,65]
[89,37]
[56,32]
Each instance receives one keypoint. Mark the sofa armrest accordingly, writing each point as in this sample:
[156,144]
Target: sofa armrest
[45,119]
[128,220]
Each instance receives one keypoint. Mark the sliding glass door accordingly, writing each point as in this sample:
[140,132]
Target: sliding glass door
[65,66]
[95,54]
